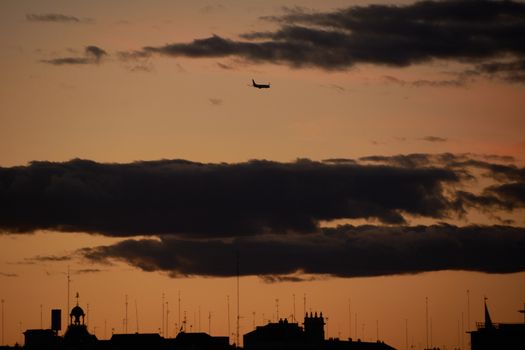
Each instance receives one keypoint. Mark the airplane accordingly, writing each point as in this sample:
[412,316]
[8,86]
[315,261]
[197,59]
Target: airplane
[260,86]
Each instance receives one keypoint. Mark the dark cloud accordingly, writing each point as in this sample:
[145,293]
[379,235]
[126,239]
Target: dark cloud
[511,71]
[183,197]
[392,35]
[92,55]
[345,251]
[52,17]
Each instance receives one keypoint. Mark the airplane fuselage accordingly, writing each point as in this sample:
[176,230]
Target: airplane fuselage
[260,86]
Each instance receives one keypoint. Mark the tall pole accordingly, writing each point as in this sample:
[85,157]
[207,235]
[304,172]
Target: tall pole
[277,310]
[179,309]
[377,330]
[41,325]
[209,322]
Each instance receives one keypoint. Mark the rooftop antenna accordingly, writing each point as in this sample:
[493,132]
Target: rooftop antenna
[179,308]
[41,326]
[426,318]
[238,303]
[167,317]
[355,325]
[304,303]
[87,316]
[349,318]
[162,326]
[277,309]
[126,316]
[293,316]
[468,310]
[209,322]
[137,315]
[228,303]
[77,296]
[68,283]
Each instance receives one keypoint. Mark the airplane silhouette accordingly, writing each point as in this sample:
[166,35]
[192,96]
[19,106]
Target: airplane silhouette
[260,86]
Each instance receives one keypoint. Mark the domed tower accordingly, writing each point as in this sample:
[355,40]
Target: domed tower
[75,315]
[77,335]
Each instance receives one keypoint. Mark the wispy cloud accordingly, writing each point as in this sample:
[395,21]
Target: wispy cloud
[56,18]
[5,274]
[434,139]
[92,55]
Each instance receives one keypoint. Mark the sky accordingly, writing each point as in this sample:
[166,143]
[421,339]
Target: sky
[380,175]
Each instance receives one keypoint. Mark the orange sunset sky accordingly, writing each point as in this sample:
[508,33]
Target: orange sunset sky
[384,166]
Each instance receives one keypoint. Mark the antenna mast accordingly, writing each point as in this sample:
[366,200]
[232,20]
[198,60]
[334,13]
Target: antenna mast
[293,316]
[137,315]
[126,317]
[238,304]
[162,326]
[68,283]
[229,330]
[426,318]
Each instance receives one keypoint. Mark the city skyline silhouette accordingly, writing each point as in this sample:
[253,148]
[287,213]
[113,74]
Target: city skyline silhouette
[147,163]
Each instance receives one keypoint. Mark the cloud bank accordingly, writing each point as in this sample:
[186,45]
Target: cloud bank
[345,251]
[199,215]
[487,34]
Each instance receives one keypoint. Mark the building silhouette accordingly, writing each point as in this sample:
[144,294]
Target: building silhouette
[284,335]
[490,335]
